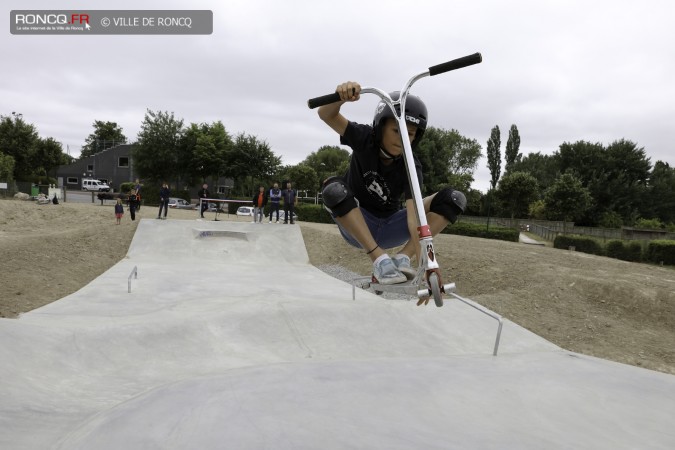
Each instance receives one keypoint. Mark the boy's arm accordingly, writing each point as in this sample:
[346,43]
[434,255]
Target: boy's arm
[412,225]
[349,92]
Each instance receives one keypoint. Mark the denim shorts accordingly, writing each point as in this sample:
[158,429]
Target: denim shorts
[388,232]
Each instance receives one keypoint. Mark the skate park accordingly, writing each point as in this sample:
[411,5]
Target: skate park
[235,341]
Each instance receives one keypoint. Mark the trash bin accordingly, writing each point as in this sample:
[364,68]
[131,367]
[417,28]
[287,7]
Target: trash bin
[34,190]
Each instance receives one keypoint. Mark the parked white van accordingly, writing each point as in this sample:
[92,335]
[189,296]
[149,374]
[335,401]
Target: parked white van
[94,185]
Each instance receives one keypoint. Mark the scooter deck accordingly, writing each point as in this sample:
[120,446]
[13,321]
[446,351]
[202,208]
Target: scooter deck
[411,287]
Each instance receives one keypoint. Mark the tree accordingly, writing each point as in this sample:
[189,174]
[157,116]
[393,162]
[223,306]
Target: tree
[627,170]
[19,139]
[511,154]
[616,176]
[156,153]
[494,156]
[327,161]
[47,156]
[566,199]
[105,135]
[448,159]
[6,169]
[303,177]
[544,168]
[659,198]
[207,148]
[516,191]
[252,162]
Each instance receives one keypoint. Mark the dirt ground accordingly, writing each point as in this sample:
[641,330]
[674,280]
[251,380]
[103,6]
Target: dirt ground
[598,306]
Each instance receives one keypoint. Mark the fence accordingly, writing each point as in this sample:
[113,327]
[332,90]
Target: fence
[550,229]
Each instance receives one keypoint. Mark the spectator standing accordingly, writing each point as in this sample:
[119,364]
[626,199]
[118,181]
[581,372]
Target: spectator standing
[204,194]
[133,203]
[259,202]
[290,200]
[164,194]
[275,200]
[137,186]
[119,211]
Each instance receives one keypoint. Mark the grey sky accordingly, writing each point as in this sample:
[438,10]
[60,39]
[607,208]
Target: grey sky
[560,70]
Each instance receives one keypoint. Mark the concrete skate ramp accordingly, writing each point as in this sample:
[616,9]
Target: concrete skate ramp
[230,339]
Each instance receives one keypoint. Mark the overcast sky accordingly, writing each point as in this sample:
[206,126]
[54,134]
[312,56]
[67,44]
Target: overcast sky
[560,71]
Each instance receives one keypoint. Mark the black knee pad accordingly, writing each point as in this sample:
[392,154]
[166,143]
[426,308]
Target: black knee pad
[449,203]
[337,197]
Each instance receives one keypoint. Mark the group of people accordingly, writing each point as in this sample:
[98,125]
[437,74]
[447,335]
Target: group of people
[275,196]
[134,202]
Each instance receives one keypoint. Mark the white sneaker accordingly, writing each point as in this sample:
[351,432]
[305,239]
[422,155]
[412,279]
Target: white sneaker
[386,272]
[402,263]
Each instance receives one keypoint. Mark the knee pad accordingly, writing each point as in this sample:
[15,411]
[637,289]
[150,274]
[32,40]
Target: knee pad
[449,203]
[337,197]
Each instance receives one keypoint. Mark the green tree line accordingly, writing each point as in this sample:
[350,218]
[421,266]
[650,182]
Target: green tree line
[588,183]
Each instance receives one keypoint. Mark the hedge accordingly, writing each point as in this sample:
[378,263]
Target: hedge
[623,250]
[661,250]
[580,244]
[475,230]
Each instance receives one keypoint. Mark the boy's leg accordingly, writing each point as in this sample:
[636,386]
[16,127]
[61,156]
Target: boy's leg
[353,225]
[441,209]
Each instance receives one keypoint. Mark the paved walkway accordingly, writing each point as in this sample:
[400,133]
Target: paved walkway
[231,339]
[528,240]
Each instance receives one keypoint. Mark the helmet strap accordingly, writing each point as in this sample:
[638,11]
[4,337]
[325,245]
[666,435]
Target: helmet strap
[386,155]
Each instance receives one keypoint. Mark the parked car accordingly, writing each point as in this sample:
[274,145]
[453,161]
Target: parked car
[282,216]
[245,211]
[217,206]
[180,203]
[95,186]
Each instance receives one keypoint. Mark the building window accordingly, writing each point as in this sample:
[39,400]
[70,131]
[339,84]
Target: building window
[72,180]
[90,167]
[123,161]
[223,189]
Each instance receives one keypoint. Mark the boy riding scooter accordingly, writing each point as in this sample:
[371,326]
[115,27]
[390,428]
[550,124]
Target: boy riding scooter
[365,203]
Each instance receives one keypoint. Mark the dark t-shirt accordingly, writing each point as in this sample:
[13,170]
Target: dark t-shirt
[377,186]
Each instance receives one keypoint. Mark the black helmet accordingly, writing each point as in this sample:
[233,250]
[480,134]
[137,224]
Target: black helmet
[415,113]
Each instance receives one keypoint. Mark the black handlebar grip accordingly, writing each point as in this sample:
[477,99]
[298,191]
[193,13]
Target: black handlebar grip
[455,64]
[323,100]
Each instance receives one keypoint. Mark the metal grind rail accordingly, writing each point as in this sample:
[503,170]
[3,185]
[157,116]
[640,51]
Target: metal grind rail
[134,273]
[413,292]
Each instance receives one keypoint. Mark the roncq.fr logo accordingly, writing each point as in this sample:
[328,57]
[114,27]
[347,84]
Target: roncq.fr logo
[51,19]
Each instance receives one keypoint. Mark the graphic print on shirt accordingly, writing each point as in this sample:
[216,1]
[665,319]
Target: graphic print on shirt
[377,186]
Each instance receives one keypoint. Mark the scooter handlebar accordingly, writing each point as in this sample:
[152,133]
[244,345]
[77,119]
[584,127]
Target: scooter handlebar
[458,63]
[323,100]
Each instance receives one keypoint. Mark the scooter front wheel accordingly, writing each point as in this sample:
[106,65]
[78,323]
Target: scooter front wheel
[435,289]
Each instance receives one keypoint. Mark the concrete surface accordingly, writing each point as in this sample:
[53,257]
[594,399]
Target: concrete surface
[230,339]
